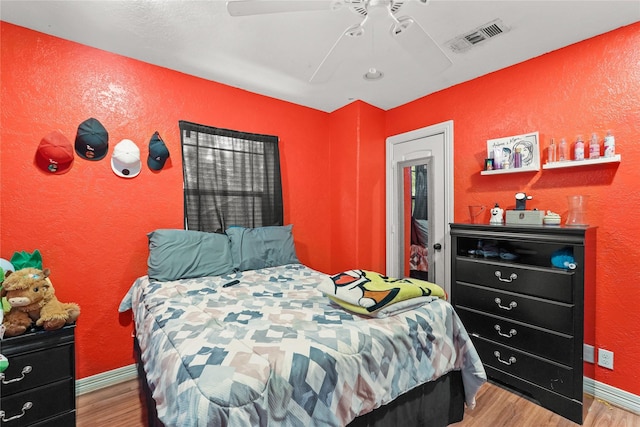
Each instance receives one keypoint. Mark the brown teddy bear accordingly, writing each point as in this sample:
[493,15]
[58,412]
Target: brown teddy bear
[32,298]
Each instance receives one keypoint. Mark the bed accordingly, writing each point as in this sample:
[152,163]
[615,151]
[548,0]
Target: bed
[263,346]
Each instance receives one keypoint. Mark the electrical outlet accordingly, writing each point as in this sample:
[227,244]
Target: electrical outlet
[605,358]
[588,353]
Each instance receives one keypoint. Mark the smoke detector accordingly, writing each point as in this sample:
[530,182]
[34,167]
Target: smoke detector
[479,35]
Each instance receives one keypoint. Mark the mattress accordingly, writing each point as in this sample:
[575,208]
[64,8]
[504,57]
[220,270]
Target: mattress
[270,349]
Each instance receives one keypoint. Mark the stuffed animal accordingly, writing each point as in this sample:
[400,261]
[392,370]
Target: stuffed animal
[32,298]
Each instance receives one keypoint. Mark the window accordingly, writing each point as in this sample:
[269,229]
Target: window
[230,178]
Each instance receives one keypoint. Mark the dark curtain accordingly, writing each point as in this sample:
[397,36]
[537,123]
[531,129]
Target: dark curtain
[420,209]
[230,178]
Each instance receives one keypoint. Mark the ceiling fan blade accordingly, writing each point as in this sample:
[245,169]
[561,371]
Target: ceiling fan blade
[340,50]
[261,7]
[419,44]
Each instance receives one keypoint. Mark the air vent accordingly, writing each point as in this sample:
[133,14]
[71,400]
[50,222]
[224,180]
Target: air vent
[479,35]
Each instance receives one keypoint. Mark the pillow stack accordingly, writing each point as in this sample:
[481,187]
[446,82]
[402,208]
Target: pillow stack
[376,295]
[183,254]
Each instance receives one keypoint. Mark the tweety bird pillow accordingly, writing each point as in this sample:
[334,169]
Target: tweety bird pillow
[376,295]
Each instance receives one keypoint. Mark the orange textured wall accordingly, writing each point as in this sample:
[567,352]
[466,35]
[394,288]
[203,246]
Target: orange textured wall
[588,87]
[91,225]
[358,183]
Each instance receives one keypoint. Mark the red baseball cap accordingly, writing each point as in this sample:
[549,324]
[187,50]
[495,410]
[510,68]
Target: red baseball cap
[55,153]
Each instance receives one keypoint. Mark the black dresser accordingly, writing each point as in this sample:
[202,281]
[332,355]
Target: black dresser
[525,316]
[38,387]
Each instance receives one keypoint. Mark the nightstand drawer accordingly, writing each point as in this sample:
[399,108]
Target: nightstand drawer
[530,280]
[535,311]
[542,342]
[552,376]
[38,404]
[32,369]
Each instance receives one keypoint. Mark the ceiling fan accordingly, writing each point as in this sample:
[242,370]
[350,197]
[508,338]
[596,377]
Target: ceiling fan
[404,30]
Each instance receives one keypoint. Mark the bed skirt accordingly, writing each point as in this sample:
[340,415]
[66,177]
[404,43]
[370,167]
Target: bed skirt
[435,404]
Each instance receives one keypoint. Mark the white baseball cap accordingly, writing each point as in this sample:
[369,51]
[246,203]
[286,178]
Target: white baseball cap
[125,160]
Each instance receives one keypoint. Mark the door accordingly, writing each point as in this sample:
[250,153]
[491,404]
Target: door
[430,148]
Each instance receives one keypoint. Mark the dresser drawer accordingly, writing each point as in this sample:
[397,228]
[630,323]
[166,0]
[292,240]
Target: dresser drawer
[64,420]
[534,311]
[38,404]
[530,280]
[32,369]
[547,374]
[542,342]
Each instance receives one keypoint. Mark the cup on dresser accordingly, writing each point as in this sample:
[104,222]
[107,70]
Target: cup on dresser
[475,211]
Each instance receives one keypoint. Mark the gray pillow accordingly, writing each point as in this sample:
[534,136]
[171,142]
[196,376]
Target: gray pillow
[181,254]
[261,247]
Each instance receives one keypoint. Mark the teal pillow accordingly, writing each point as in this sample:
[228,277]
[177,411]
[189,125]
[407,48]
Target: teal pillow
[182,254]
[261,247]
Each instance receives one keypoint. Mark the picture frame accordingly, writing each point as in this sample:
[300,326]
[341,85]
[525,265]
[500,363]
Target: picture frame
[506,147]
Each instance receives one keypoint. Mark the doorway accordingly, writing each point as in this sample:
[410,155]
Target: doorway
[427,151]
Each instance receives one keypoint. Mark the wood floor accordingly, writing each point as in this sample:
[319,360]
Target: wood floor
[120,406]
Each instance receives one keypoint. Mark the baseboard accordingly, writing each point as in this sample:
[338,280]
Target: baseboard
[602,391]
[615,396]
[106,379]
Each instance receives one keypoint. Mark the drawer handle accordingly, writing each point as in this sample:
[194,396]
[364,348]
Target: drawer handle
[511,360]
[25,371]
[512,277]
[511,333]
[25,408]
[512,304]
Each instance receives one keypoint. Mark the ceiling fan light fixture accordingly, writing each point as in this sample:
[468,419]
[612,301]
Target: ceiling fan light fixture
[373,75]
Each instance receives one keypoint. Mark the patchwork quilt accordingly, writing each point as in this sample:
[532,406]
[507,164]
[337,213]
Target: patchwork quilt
[270,349]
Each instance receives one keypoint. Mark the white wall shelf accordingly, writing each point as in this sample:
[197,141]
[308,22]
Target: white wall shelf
[510,170]
[586,162]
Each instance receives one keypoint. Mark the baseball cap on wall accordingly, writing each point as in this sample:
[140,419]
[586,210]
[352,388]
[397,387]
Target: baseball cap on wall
[125,160]
[55,153]
[92,140]
[158,153]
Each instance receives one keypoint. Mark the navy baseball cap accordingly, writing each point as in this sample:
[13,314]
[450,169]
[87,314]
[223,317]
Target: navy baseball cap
[92,140]
[158,153]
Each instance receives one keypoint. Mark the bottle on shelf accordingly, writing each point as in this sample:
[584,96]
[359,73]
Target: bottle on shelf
[609,145]
[517,158]
[551,152]
[594,147]
[579,149]
[497,158]
[563,153]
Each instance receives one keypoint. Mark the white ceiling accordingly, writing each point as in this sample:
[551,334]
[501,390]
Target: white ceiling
[276,54]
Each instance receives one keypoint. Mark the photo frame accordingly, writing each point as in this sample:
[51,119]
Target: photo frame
[506,147]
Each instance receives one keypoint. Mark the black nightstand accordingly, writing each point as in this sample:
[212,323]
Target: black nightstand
[38,387]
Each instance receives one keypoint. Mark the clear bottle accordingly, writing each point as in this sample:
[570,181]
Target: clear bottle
[579,149]
[609,145]
[563,153]
[594,147]
[551,151]
[497,158]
